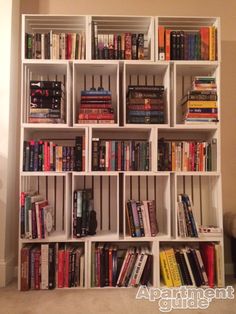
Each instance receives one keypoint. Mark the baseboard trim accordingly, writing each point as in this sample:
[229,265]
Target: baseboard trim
[7,270]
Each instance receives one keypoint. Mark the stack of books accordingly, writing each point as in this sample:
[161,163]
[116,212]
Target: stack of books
[36,216]
[55,45]
[49,156]
[122,46]
[174,44]
[84,216]
[46,102]
[112,266]
[200,103]
[141,217]
[189,266]
[112,155]
[187,226]
[187,155]
[145,104]
[96,107]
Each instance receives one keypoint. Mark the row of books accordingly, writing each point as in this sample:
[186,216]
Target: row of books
[187,226]
[141,218]
[112,266]
[53,45]
[96,106]
[186,155]
[47,102]
[145,104]
[200,103]
[36,216]
[174,44]
[84,215]
[112,155]
[45,266]
[192,266]
[49,156]
[124,46]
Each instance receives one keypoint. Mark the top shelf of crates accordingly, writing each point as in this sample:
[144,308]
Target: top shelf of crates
[126,38]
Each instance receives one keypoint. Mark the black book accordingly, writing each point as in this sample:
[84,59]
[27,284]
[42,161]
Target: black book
[119,47]
[194,268]
[131,219]
[51,267]
[40,92]
[26,156]
[106,262]
[147,272]
[78,153]
[173,45]
[45,84]
[178,45]
[134,46]
[182,43]
[140,218]
[95,154]
[185,269]
[181,267]
[31,156]
[114,266]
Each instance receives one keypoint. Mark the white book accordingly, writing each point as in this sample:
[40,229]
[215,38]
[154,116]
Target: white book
[188,266]
[44,266]
[148,233]
[141,267]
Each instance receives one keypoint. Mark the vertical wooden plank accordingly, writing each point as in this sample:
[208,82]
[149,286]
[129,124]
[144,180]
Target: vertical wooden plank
[59,202]
[135,192]
[113,203]
[196,199]
[42,186]
[105,203]
[97,203]
[151,188]
[205,193]
[143,188]
[127,188]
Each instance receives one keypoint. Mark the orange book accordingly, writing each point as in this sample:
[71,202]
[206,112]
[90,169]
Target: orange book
[167,43]
[204,33]
[161,43]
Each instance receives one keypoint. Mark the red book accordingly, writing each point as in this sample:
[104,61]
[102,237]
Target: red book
[110,266]
[95,106]
[208,256]
[167,44]
[119,156]
[69,46]
[37,279]
[60,273]
[204,33]
[66,268]
[128,46]
[45,156]
[96,116]
[161,43]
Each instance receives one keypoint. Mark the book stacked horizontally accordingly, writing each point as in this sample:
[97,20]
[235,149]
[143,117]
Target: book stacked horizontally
[84,216]
[145,104]
[112,266]
[141,216]
[187,226]
[36,217]
[46,102]
[96,107]
[190,266]
[55,45]
[200,104]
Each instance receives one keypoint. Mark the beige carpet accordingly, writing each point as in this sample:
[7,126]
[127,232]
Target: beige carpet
[102,301]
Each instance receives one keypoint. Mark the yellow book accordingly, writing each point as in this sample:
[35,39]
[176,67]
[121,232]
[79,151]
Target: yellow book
[201,104]
[212,43]
[173,156]
[165,271]
[174,270]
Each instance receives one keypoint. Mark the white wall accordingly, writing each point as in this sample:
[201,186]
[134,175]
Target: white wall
[9,136]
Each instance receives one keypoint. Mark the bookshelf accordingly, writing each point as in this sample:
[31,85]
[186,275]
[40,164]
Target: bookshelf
[112,188]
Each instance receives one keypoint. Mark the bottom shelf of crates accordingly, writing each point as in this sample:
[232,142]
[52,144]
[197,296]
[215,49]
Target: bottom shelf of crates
[122,264]
[196,264]
[52,265]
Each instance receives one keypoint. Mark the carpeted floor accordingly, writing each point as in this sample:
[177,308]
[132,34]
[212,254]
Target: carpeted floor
[101,301]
